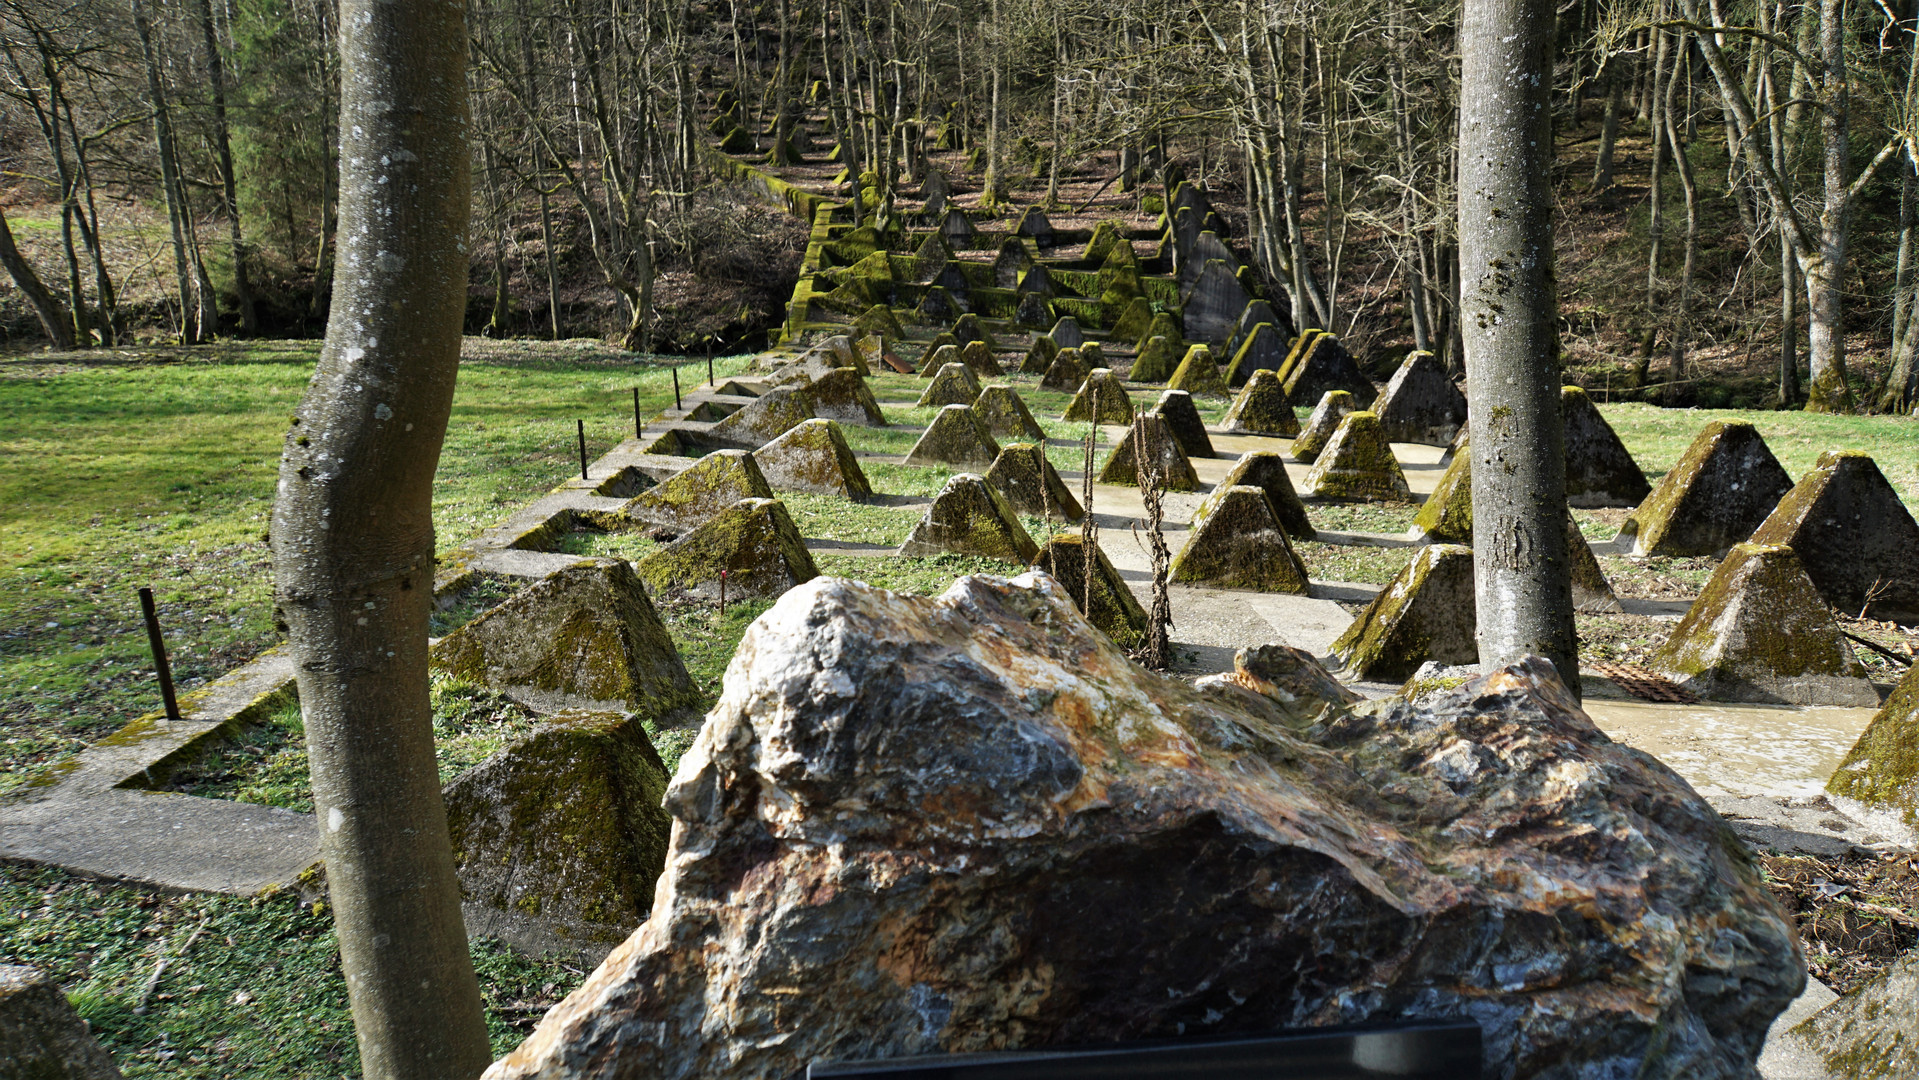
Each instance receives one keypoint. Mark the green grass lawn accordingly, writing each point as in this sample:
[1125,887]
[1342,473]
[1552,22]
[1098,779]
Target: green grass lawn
[122,471]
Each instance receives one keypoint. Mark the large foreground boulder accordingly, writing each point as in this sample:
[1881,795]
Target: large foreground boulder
[41,1037]
[969,823]
[582,636]
[564,826]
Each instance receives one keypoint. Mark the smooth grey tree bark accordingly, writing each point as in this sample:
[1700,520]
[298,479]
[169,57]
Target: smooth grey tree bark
[353,538]
[1522,581]
[55,319]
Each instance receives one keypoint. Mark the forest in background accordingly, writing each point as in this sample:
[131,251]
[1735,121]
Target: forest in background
[1736,183]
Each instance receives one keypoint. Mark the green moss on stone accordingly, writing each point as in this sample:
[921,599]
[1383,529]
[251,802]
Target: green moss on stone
[1333,408]
[1156,361]
[1065,373]
[1265,470]
[1426,613]
[1026,478]
[755,542]
[954,384]
[1171,467]
[813,457]
[700,492]
[1006,415]
[1114,609]
[1039,356]
[1198,374]
[969,517]
[1358,465]
[1882,768]
[1101,399]
[1237,543]
[957,436]
[1262,409]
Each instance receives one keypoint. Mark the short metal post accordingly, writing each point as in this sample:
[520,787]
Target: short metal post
[676,389]
[582,424]
[160,665]
[722,592]
[636,412]
[709,369]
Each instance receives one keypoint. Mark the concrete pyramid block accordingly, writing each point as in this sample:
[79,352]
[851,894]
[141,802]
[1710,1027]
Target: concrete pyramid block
[1262,409]
[1592,593]
[1333,408]
[566,823]
[1156,361]
[1427,612]
[1198,374]
[1446,517]
[1183,420]
[1255,313]
[879,319]
[754,542]
[1855,538]
[1006,415]
[957,227]
[1421,404]
[1039,356]
[1237,543]
[1105,237]
[954,385]
[1066,333]
[1882,768]
[582,636]
[1163,325]
[1093,356]
[813,457]
[1113,607]
[1024,475]
[1760,631]
[1599,471]
[842,395]
[977,356]
[1168,462]
[1133,323]
[1301,345]
[969,517]
[1065,373]
[837,351]
[1034,310]
[937,304]
[957,436]
[1102,399]
[1038,279]
[930,259]
[1326,365]
[939,356]
[1261,350]
[968,328]
[1266,471]
[768,417]
[1012,261]
[1723,487]
[1358,464]
[1213,303]
[1034,223]
[700,492]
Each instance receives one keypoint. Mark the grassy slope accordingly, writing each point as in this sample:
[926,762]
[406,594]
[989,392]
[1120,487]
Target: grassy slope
[162,474]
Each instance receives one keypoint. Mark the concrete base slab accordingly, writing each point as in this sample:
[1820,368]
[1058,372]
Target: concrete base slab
[1756,750]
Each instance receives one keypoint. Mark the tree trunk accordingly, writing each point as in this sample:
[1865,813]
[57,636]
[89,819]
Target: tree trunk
[223,146]
[1521,574]
[1827,389]
[1656,218]
[1609,129]
[55,319]
[1682,323]
[169,174]
[353,539]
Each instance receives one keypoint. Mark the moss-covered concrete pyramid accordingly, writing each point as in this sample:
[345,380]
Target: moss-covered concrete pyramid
[585,635]
[1599,470]
[842,395]
[1857,541]
[698,493]
[1358,464]
[1592,593]
[1882,768]
[813,457]
[1162,325]
[1237,543]
[1066,333]
[968,328]
[1421,404]
[1156,361]
[565,824]
[1301,345]
[1039,356]
[1167,461]
[1065,373]
[1114,608]
[939,356]
[1427,612]
[969,517]
[1723,487]
[1093,355]
[955,384]
[1262,350]
[1132,324]
[1266,471]
[1760,631]
[1262,409]
[957,436]
[977,356]
[1446,517]
[1101,399]
[879,319]
[1183,420]
[1006,415]
[1326,365]
[1023,474]
[754,542]
[768,417]
[1199,375]
[1333,408]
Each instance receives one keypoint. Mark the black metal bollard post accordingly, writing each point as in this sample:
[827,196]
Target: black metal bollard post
[636,412]
[709,370]
[582,424]
[159,646]
[676,389]
[722,592]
